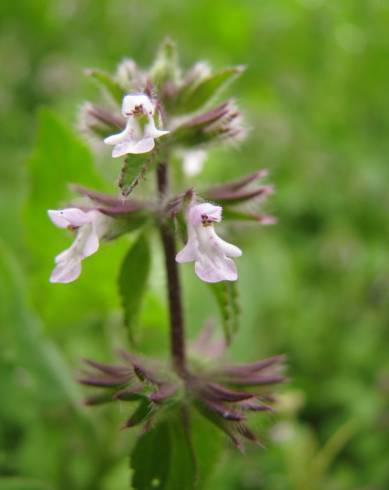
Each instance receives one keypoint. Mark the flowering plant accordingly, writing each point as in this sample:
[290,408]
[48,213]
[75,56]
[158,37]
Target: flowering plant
[151,119]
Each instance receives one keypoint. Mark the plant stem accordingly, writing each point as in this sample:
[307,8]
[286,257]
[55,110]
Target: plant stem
[177,328]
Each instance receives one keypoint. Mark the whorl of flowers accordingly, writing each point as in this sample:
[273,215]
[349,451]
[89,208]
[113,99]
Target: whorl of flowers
[224,393]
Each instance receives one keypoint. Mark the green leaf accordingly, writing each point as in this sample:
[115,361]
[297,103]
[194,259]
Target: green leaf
[108,82]
[133,277]
[141,414]
[208,444]
[23,331]
[16,483]
[151,458]
[60,158]
[183,465]
[132,172]
[163,459]
[199,95]
[328,453]
[177,454]
[226,295]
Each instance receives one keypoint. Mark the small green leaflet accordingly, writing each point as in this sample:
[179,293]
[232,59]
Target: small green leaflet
[226,295]
[142,413]
[194,98]
[131,173]
[108,82]
[133,277]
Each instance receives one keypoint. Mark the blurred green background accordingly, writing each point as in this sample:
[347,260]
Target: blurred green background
[315,286]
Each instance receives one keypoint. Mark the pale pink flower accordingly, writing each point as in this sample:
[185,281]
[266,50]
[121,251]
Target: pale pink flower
[209,252]
[140,132]
[90,226]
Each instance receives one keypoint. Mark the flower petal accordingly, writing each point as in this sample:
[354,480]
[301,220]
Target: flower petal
[152,132]
[116,138]
[224,270]
[65,255]
[121,149]
[64,218]
[91,243]
[188,253]
[86,243]
[229,249]
[143,146]
[132,147]
[66,271]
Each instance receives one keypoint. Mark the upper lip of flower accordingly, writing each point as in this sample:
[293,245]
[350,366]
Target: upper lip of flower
[204,212]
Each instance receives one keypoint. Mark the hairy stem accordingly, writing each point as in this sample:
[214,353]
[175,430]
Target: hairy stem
[177,328]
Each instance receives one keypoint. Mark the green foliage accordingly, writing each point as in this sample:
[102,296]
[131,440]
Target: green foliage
[141,414]
[194,97]
[150,459]
[167,457]
[109,83]
[39,394]
[22,333]
[133,171]
[22,484]
[133,278]
[208,446]
[226,295]
[60,158]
